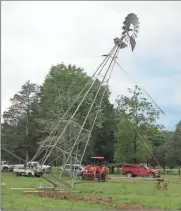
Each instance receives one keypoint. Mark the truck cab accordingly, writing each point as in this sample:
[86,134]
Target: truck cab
[37,165]
[4,166]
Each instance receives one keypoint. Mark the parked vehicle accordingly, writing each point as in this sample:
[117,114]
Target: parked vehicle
[19,166]
[36,164]
[4,166]
[133,170]
[22,170]
[74,167]
[11,167]
[31,169]
[96,170]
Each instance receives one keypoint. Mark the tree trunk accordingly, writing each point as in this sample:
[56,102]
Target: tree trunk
[64,158]
[135,148]
[136,133]
[56,161]
[27,132]
[27,155]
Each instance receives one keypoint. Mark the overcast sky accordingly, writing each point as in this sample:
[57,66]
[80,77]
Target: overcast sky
[36,35]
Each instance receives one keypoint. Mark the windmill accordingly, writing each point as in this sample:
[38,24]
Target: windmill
[82,134]
[72,144]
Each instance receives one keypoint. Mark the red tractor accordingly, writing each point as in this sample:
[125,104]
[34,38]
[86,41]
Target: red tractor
[96,170]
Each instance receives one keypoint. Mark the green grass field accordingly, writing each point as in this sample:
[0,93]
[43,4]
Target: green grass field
[123,192]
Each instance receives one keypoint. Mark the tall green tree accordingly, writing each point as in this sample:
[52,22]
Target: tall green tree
[178,124]
[60,88]
[173,148]
[136,127]
[159,144]
[20,126]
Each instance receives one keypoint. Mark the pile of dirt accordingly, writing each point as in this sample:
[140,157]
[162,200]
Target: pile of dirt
[75,197]
[78,197]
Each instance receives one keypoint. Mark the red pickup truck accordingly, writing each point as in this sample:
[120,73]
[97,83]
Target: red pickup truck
[133,170]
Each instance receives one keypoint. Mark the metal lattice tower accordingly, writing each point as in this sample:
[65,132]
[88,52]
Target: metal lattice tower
[70,137]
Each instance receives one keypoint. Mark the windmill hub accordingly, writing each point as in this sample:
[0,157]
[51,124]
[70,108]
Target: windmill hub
[120,43]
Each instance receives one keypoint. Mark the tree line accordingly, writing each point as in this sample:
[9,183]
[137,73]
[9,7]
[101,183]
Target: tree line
[124,132]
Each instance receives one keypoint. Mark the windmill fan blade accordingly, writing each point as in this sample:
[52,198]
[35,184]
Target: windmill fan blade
[126,23]
[133,43]
[130,21]
[134,21]
[130,17]
[125,28]
[124,32]
[135,35]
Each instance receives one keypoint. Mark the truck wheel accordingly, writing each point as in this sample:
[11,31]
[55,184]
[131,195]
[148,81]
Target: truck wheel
[81,174]
[151,175]
[5,169]
[18,174]
[102,177]
[30,174]
[49,170]
[129,174]
[83,177]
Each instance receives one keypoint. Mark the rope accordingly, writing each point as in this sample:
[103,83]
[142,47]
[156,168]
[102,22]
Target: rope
[13,154]
[140,87]
[152,101]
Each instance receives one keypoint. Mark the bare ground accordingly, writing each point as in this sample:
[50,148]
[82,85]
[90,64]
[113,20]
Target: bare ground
[78,197]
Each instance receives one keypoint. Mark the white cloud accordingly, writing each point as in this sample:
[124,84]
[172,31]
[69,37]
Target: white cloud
[36,35]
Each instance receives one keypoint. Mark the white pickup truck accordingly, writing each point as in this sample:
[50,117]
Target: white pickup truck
[4,166]
[36,164]
[31,169]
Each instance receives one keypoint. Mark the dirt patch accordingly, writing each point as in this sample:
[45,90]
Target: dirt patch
[134,207]
[78,197]
[75,197]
